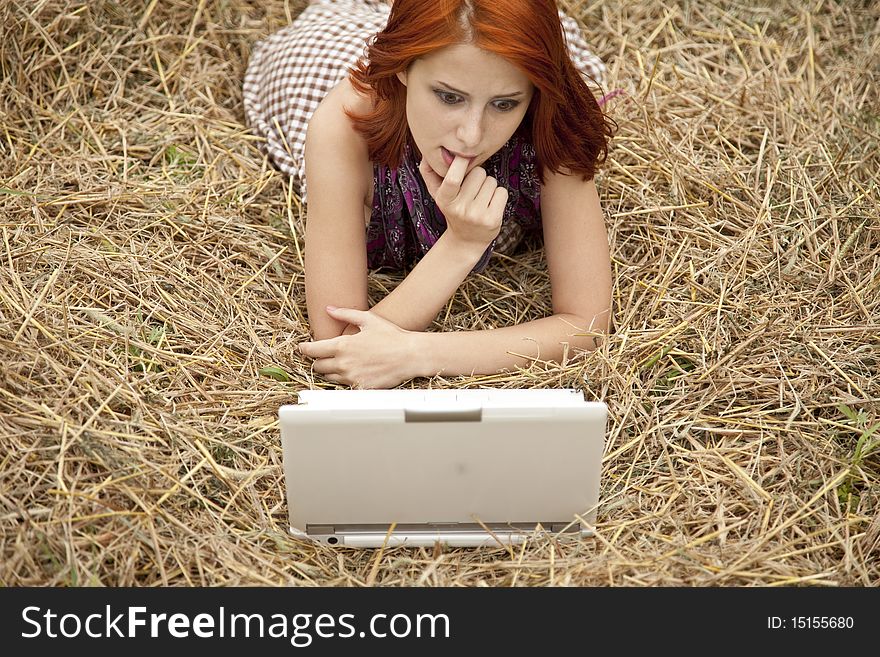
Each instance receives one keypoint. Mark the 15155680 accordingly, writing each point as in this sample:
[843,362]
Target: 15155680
[810,623]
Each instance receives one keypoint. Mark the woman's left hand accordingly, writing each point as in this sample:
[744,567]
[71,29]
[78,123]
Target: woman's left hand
[378,356]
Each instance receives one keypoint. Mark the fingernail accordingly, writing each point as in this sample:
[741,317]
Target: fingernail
[331,308]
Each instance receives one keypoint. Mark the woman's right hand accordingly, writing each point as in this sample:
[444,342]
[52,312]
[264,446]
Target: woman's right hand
[473,205]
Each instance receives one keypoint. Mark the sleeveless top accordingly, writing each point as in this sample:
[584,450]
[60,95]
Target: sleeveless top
[406,221]
[291,71]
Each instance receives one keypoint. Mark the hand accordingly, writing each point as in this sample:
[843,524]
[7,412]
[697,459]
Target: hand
[473,205]
[377,356]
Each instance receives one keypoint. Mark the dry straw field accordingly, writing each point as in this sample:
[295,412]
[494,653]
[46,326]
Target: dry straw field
[151,271]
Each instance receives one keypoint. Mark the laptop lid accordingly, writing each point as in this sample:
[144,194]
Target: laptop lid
[463,467]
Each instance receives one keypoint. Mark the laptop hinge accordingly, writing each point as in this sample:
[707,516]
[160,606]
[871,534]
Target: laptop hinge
[443,414]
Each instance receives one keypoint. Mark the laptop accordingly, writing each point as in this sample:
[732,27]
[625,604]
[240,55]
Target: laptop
[369,468]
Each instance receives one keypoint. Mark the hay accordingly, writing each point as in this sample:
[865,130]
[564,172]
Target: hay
[151,268]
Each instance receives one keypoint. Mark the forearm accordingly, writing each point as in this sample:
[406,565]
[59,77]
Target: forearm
[415,302]
[490,351]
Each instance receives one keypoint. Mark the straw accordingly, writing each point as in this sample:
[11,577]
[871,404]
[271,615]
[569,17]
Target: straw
[151,297]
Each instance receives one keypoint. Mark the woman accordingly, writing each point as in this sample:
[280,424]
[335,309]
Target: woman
[465,127]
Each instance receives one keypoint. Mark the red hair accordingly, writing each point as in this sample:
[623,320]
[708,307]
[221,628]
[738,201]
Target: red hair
[564,122]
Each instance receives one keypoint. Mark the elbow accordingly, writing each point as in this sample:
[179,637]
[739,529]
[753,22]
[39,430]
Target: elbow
[600,322]
[587,330]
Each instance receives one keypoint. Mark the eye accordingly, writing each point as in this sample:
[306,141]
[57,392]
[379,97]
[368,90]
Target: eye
[447,97]
[506,105]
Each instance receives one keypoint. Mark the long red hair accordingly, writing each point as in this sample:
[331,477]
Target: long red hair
[564,122]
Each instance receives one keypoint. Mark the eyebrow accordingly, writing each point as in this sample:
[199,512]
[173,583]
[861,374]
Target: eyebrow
[451,88]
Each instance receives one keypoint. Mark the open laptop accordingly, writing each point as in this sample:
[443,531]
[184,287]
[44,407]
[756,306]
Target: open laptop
[472,467]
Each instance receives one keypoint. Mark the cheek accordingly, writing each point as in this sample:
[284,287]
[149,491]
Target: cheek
[421,115]
[432,117]
[504,128]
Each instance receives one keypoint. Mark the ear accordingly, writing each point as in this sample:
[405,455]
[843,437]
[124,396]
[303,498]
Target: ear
[401,75]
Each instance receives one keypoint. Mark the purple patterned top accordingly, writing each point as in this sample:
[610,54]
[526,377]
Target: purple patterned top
[406,222]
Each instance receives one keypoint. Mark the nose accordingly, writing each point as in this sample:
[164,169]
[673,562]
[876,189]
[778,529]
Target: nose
[470,129]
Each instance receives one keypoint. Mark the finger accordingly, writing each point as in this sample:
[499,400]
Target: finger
[336,378]
[350,315]
[499,201]
[325,366]
[484,196]
[451,185]
[342,380]
[320,348]
[472,184]
[432,180]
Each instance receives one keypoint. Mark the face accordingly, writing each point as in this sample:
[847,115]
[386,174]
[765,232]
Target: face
[463,100]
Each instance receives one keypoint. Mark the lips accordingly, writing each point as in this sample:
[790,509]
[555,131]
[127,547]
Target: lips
[449,156]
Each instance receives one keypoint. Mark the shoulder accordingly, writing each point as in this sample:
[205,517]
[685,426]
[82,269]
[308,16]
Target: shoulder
[345,96]
[333,146]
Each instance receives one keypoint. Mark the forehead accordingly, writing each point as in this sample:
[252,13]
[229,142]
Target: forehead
[471,69]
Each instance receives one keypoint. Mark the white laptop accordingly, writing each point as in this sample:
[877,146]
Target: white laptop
[367,468]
